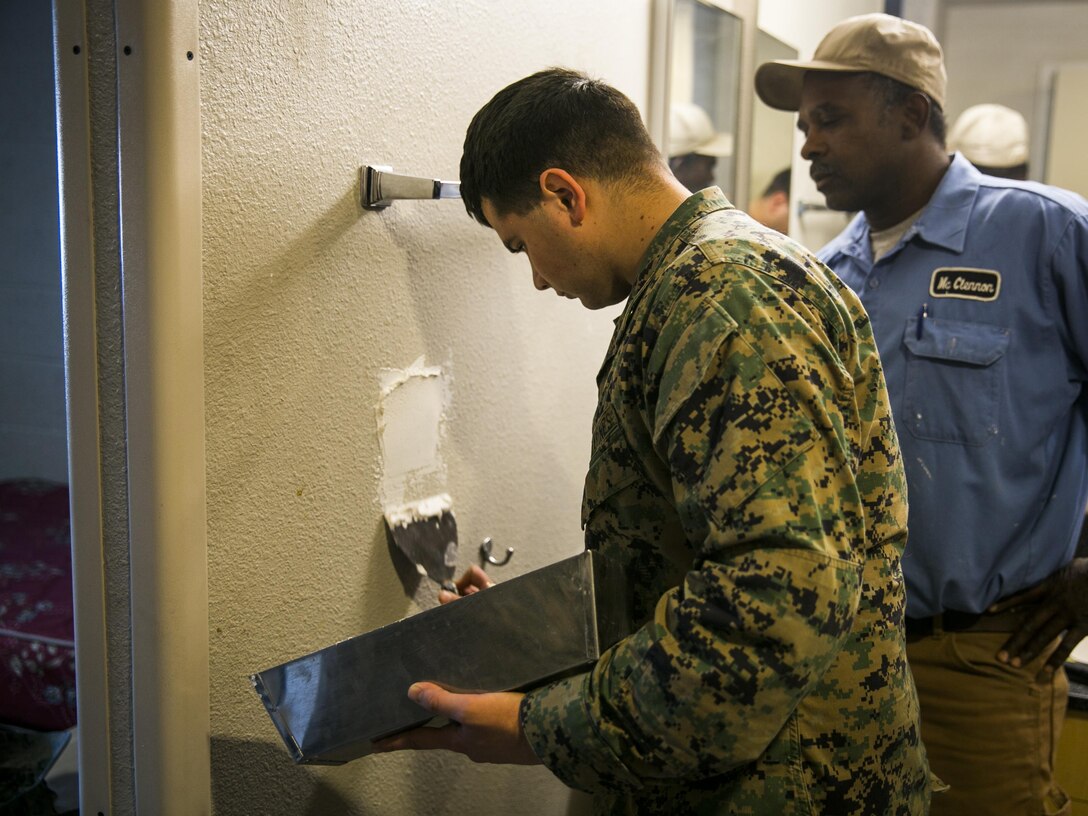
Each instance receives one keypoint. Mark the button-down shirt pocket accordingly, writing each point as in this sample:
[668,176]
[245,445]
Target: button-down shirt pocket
[954,372]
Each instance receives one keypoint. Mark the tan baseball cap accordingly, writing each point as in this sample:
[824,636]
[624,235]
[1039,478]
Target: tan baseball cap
[691,131]
[877,43]
[990,136]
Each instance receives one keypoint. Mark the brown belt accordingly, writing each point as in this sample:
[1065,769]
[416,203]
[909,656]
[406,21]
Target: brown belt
[1007,621]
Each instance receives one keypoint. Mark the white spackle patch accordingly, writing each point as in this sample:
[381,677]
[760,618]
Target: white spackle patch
[411,424]
[404,514]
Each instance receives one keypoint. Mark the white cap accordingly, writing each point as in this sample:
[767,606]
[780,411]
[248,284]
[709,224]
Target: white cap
[691,131]
[991,136]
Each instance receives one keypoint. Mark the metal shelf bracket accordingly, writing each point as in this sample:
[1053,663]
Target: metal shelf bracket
[379,187]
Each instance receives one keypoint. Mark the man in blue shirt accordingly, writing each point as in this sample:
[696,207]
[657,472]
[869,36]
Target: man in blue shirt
[977,289]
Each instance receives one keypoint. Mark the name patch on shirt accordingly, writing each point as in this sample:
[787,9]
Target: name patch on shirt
[963,282]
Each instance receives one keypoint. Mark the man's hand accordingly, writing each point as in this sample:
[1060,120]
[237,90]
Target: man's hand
[483,727]
[1062,607]
[472,581]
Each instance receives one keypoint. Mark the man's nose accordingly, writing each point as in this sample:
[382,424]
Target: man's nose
[539,282]
[811,147]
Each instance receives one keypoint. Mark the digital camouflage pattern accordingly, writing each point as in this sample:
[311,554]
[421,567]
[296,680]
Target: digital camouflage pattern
[746,472]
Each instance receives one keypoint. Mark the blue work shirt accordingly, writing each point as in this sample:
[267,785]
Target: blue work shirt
[980,314]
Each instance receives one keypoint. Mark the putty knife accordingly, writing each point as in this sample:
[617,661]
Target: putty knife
[426,532]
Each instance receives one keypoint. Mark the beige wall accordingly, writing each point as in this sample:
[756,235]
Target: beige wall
[308,298]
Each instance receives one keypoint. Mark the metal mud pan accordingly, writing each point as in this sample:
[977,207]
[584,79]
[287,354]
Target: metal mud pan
[555,621]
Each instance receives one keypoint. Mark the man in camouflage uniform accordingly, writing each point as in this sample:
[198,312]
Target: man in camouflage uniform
[745,471]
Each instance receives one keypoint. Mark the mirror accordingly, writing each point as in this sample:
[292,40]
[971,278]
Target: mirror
[699,113]
[703,94]
[772,147]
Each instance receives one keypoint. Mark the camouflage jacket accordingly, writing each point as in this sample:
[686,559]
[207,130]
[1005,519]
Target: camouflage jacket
[746,472]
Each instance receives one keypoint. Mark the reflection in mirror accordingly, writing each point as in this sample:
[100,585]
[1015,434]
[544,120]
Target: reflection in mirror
[768,194]
[704,90]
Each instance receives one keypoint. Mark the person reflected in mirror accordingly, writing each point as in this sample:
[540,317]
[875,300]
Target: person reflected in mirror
[994,139]
[772,208]
[695,146]
[977,288]
[744,473]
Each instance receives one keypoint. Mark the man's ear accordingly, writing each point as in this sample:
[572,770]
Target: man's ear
[917,109]
[560,188]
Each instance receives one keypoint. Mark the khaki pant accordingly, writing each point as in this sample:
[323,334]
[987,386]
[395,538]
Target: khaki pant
[990,731]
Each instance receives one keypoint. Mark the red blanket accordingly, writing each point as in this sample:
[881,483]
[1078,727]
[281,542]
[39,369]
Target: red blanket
[37,649]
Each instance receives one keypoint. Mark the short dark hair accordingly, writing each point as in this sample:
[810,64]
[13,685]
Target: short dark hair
[555,118]
[779,184]
[893,93]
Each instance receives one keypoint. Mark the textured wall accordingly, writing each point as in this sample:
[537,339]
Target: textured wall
[307,299]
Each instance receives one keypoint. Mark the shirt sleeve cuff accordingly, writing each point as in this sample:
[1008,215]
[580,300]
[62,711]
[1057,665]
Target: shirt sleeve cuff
[562,733]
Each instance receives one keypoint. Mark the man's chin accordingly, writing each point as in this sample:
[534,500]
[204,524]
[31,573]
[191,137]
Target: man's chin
[839,202]
[595,304]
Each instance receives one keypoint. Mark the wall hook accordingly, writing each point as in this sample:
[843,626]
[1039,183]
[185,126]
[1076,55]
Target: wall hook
[485,553]
[379,187]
